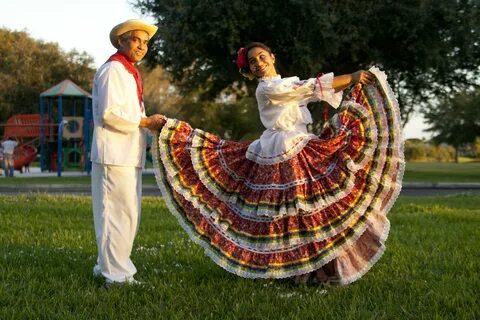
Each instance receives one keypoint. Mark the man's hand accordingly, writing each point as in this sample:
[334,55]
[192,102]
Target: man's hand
[154,122]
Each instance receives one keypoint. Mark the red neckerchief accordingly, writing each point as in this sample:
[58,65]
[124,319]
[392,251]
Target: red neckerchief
[123,59]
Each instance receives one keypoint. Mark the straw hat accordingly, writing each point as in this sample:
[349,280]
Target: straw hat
[130,25]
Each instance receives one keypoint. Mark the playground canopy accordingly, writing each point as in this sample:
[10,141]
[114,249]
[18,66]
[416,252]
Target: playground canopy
[65,88]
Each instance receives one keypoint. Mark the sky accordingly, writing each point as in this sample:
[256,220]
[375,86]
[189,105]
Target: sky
[74,24]
[85,25]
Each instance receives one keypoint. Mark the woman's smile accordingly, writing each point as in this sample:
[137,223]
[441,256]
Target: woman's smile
[261,62]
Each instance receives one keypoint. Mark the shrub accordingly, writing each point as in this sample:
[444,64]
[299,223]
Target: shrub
[419,150]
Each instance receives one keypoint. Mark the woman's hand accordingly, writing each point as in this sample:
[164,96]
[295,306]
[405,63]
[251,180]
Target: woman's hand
[344,81]
[363,77]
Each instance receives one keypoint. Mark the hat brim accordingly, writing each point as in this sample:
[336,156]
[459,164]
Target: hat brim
[131,25]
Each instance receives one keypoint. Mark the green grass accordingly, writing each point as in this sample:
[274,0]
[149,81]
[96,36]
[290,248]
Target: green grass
[429,271]
[468,159]
[442,172]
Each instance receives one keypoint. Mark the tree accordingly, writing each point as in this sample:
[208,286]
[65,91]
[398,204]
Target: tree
[229,119]
[456,120]
[427,47]
[159,93]
[29,66]
[476,147]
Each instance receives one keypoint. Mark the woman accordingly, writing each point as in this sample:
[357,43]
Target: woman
[290,203]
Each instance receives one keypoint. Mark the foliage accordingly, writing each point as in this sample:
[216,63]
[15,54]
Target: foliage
[230,121]
[419,150]
[159,93]
[443,153]
[427,47]
[29,67]
[414,151]
[455,120]
[234,119]
[476,146]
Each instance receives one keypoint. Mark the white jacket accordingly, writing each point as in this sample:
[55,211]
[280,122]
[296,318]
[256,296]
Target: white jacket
[117,139]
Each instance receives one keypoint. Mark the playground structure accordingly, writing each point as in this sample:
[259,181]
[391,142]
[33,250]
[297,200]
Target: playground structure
[26,130]
[61,130]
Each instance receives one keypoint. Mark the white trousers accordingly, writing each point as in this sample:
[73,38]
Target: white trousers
[116,200]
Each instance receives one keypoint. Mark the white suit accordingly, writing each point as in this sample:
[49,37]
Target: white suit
[118,156]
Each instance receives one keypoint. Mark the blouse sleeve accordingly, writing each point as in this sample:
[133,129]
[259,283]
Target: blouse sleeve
[304,91]
[287,90]
[324,91]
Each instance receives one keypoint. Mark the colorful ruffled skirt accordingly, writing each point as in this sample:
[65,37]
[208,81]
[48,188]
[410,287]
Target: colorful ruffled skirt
[327,203]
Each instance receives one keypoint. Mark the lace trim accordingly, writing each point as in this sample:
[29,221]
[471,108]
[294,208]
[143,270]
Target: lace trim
[325,92]
[307,207]
[297,146]
[308,268]
[275,77]
[220,261]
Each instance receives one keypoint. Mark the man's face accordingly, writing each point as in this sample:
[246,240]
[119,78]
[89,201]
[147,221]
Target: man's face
[135,47]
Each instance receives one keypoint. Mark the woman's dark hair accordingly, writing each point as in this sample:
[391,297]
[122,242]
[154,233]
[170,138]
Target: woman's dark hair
[242,58]
[252,45]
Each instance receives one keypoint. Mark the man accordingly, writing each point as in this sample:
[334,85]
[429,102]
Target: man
[118,150]
[8,150]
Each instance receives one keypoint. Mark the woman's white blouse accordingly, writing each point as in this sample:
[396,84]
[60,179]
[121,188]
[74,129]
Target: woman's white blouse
[283,111]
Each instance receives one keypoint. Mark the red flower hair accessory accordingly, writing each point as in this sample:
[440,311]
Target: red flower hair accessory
[242,64]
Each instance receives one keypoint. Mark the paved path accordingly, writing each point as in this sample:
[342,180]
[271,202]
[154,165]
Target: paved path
[36,173]
[422,189]
[76,189]
[408,189]
[416,189]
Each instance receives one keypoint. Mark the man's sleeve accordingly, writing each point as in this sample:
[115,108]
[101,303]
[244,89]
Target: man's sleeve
[113,99]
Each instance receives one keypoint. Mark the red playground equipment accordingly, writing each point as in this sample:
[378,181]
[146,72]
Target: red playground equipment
[25,128]
[61,130]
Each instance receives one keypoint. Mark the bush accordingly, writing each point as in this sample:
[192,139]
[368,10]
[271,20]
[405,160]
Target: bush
[444,153]
[419,150]
[476,147]
[415,151]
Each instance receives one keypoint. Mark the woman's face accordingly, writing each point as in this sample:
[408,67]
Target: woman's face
[261,62]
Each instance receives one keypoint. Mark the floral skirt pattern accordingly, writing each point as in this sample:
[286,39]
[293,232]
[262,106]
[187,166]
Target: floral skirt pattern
[328,202]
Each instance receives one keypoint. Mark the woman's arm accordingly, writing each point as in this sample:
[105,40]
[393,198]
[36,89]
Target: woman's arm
[341,82]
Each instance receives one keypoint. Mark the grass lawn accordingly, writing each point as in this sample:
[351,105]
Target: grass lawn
[429,271]
[442,172]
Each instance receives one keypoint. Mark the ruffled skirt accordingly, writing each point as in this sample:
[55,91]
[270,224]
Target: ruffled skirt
[326,203]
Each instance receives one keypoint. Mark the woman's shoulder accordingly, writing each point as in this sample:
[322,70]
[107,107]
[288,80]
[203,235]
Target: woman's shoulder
[277,81]
[278,78]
